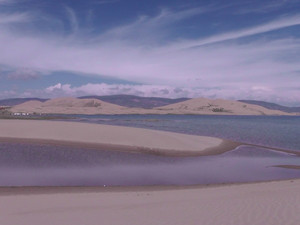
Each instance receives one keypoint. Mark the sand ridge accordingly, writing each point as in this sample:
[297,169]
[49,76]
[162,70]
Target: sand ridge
[68,106]
[197,106]
[112,137]
[218,107]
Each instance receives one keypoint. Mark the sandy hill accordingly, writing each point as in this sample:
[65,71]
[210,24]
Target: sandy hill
[270,105]
[218,107]
[133,101]
[68,106]
[17,101]
[96,106]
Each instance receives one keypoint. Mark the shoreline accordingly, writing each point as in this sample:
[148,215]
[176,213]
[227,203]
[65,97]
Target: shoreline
[48,190]
[235,203]
[225,146]
[119,138]
[54,116]
[108,137]
[295,167]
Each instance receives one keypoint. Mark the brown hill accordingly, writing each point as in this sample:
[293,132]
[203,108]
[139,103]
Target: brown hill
[218,107]
[68,106]
[133,101]
[201,106]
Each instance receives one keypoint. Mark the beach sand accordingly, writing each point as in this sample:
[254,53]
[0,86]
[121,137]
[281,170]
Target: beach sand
[108,137]
[266,203]
[269,203]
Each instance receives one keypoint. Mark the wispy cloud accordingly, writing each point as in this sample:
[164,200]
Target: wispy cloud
[146,28]
[14,18]
[23,74]
[260,29]
[217,66]
[71,15]
[268,6]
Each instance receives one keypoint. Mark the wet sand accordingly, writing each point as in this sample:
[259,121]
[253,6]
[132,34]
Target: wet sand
[275,202]
[296,167]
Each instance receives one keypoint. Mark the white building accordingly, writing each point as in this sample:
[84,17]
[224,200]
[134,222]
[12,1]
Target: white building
[21,114]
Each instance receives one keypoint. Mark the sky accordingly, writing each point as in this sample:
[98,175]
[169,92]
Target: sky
[238,49]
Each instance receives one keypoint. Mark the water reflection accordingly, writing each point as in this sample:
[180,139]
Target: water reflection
[46,165]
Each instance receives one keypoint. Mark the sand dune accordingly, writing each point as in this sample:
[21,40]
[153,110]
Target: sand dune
[112,137]
[69,106]
[193,106]
[218,107]
[267,203]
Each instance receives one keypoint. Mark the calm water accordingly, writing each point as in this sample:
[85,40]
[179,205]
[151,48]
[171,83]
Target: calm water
[45,165]
[33,164]
[274,131]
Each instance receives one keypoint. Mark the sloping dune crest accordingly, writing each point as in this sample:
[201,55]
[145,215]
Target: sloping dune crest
[198,106]
[68,106]
[218,106]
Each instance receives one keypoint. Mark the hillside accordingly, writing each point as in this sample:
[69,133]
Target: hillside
[68,106]
[200,106]
[136,101]
[219,107]
[132,101]
[17,101]
[270,105]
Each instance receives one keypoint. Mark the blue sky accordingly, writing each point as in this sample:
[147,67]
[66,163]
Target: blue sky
[215,49]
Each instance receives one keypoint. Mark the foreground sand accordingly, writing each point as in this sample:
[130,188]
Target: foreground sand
[269,203]
[111,137]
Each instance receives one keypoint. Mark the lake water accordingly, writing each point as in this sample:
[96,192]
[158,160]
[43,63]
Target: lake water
[274,131]
[47,165]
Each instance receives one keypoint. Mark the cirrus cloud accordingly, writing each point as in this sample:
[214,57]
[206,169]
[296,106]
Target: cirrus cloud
[230,64]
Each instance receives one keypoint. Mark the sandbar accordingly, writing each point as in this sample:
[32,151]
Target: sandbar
[108,137]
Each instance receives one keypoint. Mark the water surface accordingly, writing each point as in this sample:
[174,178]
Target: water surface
[47,165]
[273,131]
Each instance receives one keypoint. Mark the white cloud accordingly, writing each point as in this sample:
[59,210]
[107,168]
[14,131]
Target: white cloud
[260,29]
[14,18]
[208,67]
[146,29]
[23,74]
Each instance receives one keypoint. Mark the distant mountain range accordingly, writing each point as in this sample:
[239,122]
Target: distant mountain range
[17,101]
[274,106]
[146,102]
[136,101]
[92,106]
